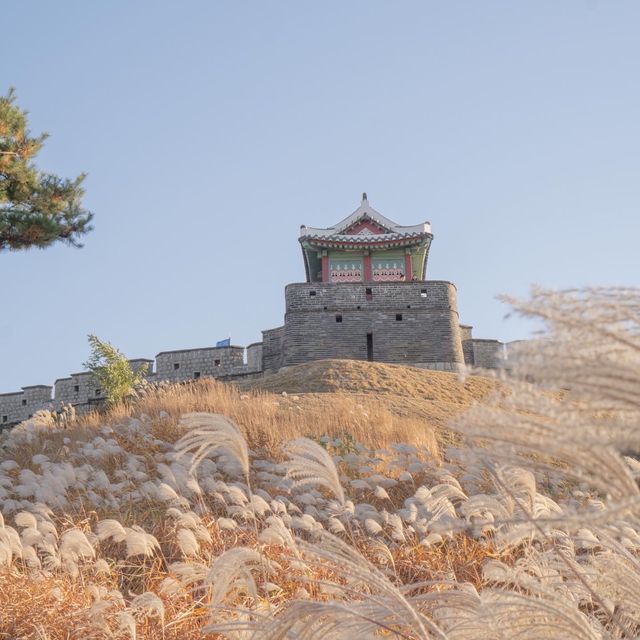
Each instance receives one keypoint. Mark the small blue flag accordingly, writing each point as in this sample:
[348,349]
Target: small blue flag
[224,343]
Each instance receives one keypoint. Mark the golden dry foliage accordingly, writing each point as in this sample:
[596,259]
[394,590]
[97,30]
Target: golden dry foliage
[57,607]
[88,602]
[357,376]
[183,516]
[374,404]
[269,420]
[82,605]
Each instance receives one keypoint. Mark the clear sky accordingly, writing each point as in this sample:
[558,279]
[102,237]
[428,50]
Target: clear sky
[212,130]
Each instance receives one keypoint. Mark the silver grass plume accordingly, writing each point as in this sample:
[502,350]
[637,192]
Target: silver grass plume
[139,542]
[110,528]
[127,623]
[187,542]
[75,546]
[504,615]
[591,344]
[573,409]
[231,573]
[365,603]
[530,429]
[10,545]
[311,464]
[276,533]
[212,433]
[572,416]
[189,575]
[26,519]
[148,604]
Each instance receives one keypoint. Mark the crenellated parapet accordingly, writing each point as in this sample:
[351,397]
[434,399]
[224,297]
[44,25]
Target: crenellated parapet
[15,407]
[83,392]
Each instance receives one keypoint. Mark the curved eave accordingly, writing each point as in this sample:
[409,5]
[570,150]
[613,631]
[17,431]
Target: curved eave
[425,258]
[368,243]
[306,263]
[338,230]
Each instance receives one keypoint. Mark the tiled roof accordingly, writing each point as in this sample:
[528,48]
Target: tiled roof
[365,239]
[365,212]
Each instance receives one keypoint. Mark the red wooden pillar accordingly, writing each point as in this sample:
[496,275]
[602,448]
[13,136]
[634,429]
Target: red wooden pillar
[325,269]
[408,270]
[368,271]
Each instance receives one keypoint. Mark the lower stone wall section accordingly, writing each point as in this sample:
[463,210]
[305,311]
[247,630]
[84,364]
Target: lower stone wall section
[410,323]
[190,364]
[272,347]
[488,354]
[15,407]
[254,356]
[452,367]
[83,392]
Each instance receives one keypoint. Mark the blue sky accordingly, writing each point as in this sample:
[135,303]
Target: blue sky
[212,130]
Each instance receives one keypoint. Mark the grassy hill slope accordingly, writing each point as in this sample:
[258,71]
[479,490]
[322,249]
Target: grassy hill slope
[356,376]
[115,478]
[371,403]
[433,397]
[375,404]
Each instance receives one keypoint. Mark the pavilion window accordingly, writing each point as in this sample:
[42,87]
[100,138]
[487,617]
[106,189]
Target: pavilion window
[345,270]
[5,418]
[388,269]
[338,317]
[398,317]
[76,388]
[24,403]
[216,363]
[196,374]
[176,366]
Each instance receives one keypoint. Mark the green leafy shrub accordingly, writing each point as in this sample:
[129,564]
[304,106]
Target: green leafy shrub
[112,371]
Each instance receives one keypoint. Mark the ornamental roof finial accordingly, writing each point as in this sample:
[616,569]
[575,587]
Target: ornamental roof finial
[364,196]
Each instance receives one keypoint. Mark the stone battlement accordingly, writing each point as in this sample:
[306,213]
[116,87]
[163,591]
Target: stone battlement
[82,391]
[311,296]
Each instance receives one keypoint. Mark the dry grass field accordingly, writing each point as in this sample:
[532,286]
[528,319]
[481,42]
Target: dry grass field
[358,410]
[357,376]
[340,500]
[371,403]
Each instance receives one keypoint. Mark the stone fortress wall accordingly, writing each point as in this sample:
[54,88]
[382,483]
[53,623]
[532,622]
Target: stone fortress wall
[427,335]
[82,391]
[411,323]
[17,406]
